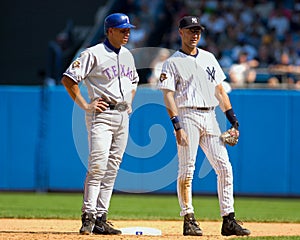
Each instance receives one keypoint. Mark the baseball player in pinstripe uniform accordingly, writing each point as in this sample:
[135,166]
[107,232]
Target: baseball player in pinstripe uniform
[109,72]
[191,81]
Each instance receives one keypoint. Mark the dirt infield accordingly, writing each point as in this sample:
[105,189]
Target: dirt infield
[41,229]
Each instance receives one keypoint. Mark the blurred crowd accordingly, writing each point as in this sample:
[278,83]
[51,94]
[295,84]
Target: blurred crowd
[255,41]
[261,31]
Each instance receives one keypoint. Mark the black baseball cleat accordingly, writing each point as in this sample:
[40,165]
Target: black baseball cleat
[88,222]
[231,227]
[104,227]
[191,226]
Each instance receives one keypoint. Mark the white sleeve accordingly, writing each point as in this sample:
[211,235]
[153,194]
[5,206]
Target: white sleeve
[167,77]
[81,67]
[220,75]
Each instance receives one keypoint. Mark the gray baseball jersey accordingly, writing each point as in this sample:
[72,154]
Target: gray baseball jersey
[107,74]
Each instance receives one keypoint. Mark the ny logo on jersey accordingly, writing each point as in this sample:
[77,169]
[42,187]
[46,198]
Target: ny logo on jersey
[211,74]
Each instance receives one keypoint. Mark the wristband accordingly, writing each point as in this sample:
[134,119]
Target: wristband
[176,123]
[232,117]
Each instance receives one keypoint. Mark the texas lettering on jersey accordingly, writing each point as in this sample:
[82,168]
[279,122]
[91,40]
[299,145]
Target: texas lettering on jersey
[112,72]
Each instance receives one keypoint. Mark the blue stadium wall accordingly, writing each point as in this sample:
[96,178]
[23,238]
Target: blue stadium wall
[43,144]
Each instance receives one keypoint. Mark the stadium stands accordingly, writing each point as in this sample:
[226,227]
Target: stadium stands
[231,27]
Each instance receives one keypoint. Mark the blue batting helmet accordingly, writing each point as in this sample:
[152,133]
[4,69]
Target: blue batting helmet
[117,20]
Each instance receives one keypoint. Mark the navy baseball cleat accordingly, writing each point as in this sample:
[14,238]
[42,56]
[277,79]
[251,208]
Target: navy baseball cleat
[104,227]
[190,226]
[231,227]
[88,222]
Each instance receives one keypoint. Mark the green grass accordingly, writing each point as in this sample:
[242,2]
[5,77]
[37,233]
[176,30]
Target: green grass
[139,206]
[39,205]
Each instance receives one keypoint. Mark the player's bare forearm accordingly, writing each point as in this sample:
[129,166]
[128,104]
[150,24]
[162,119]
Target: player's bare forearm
[225,105]
[74,92]
[222,96]
[180,134]
[129,109]
[170,103]
[97,105]
[133,94]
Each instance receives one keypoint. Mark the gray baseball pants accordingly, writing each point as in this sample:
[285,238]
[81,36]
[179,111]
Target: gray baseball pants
[107,136]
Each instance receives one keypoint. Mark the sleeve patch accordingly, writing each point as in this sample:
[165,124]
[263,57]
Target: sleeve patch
[76,64]
[162,77]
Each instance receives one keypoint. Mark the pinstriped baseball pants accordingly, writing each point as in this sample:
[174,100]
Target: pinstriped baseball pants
[203,129]
[107,136]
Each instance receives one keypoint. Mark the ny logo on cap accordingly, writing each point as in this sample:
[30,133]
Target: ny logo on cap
[194,20]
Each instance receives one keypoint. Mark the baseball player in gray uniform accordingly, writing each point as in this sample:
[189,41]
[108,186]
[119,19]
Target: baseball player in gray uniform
[191,81]
[109,72]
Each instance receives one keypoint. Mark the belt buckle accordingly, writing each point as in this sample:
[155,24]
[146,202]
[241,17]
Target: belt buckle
[121,106]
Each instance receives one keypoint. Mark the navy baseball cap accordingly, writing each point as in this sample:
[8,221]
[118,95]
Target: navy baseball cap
[190,22]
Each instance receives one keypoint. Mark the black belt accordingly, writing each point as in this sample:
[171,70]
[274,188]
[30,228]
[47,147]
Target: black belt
[203,108]
[112,106]
[121,106]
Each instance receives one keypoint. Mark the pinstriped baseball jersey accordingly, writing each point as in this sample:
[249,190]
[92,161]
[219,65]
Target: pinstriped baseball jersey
[106,74]
[193,78]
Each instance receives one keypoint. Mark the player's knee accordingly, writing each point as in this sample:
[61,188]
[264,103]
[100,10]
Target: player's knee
[185,181]
[224,173]
[95,173]
[185,177]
